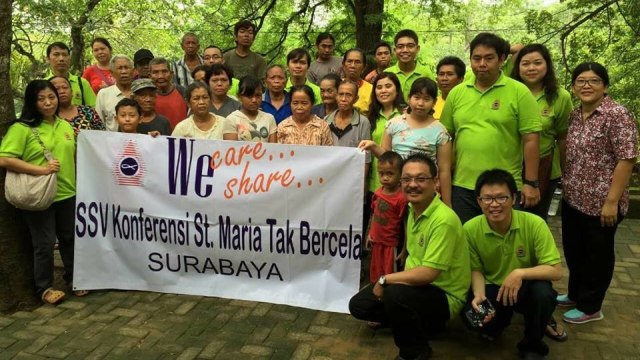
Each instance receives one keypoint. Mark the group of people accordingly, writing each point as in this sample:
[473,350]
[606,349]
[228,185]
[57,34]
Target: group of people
[460,168]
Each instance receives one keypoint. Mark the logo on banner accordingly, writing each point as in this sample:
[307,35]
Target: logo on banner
[128,169]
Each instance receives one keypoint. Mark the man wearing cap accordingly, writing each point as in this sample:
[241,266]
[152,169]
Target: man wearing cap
[144,93]
[141,62]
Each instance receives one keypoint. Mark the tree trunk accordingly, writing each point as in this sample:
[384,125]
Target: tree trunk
[16,254]
[368,23]
[77,40]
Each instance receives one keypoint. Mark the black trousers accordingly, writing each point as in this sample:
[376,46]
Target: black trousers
[542,209]
[589,251]
[414,313]
[465,203]
[45,226]
[536,302]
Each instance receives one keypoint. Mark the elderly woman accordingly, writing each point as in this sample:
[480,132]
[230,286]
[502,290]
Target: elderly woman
[202,124]
[602,147]
[99,74]
[302,127]
[79,116]
[23,151]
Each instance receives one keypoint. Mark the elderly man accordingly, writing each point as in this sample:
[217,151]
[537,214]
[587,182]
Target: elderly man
[59,63]
[170,102]
[122,71]
[417,302]
[183,67]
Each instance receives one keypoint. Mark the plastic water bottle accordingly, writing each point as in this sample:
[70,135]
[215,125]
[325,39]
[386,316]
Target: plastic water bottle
[555,202]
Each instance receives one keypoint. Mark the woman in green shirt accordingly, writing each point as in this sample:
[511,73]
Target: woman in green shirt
[533,67]
[21,151]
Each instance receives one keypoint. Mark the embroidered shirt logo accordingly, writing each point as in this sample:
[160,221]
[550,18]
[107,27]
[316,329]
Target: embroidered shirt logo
[520,251]
[495,105]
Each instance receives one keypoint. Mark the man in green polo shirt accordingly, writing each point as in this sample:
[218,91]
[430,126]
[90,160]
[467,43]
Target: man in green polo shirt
[513,261]
[407,69]
[496,123]
[60,61]
[417,302]
[298,61]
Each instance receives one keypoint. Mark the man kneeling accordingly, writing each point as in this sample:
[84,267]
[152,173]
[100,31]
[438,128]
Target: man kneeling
[417,302]
[513,261]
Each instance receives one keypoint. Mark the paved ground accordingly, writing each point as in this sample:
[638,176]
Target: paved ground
[142,325]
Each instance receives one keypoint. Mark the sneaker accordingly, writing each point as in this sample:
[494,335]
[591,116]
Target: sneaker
[576,316]
[564,301]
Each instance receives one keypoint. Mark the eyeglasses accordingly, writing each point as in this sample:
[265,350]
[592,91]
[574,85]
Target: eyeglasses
[418,179]
[591,82]
[488,200]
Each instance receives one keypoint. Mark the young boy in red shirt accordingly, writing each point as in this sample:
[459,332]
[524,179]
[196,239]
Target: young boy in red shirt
[388,207]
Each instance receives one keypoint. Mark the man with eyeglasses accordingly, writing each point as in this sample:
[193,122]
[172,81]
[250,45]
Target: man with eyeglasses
[495,122]
[407,69]
[514,259]
[417,302]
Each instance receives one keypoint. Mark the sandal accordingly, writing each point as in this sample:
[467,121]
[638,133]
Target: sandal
[553,332]
[81,293]
[53,297]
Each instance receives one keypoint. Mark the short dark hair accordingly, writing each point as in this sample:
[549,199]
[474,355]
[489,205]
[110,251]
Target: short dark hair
[202,67]
[249,85]
[244,24]
[324,36]
[128,102]
[103,41]
[393,158]
[496,177]
[218,69]
[375,107]
[458,65]
[194,86]
[424,84]
[422,157]
[331,77]
[364,57]
[305,89]
[500,45]
[30,114]
[597,68]
[405,33]
[59,45]
[213,47]
[297,54]
[381,44]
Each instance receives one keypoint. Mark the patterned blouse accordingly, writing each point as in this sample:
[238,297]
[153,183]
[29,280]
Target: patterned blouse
[405,139]
[315,132]
[594,147]
[87,119]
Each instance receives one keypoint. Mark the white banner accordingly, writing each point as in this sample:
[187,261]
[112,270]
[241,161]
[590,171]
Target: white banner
[262,222]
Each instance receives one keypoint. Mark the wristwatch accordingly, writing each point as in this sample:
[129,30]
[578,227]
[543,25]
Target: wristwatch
[382,281]
[534,183]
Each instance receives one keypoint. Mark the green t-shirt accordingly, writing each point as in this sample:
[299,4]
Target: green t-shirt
[435,239]
[555,122]
[59,138]
[233,89]
[488,127]
[528,243]
[81,88]
[407,80]
[376,136]
[314,87]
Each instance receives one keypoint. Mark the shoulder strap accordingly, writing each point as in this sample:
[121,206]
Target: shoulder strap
[81,89]
[100,74]
[47,153]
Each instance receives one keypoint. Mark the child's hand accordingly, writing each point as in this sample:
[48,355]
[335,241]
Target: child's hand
[402,257]
[154,133]
[366,144]
[367,244]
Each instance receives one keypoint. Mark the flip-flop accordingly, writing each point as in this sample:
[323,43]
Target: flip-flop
[53,297]
[81,293]
[555,334]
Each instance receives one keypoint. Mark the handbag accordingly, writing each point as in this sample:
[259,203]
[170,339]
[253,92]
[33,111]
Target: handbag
[31,192]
